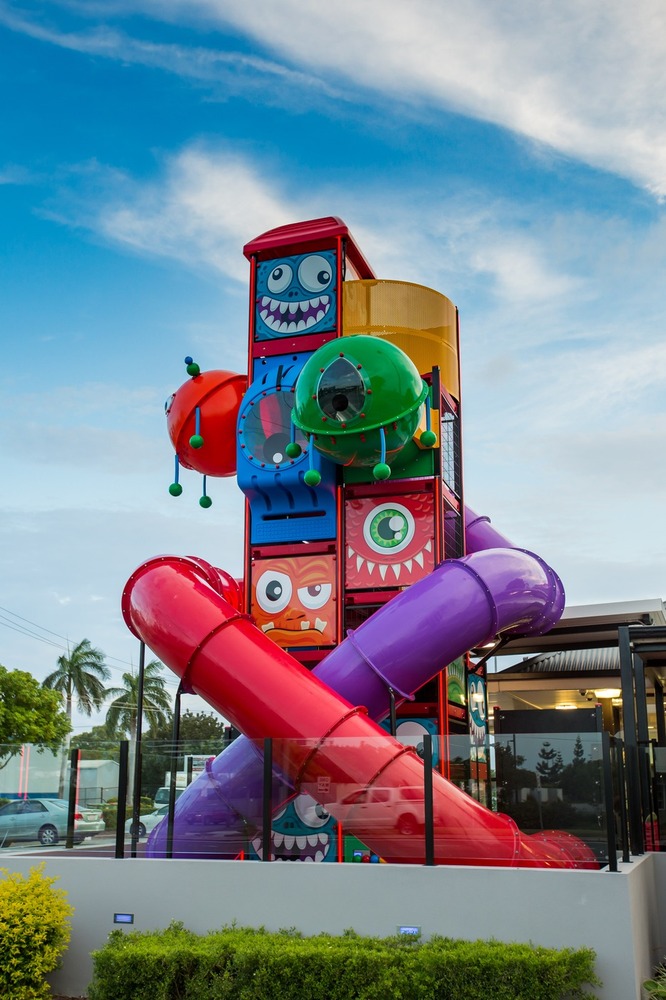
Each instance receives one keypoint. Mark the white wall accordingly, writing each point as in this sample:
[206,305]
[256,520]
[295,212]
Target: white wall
[620,915]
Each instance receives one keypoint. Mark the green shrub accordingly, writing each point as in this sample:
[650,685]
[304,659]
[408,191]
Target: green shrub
[110,811]
[247,964]
[34,931]
[656,987]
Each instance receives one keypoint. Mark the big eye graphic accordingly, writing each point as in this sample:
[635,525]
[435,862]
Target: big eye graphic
[280,278]
[266,428]
[389,528]
[310,812]
[169,403]
[315,596]
[341,390]
[411,733]
[315,273]
[273,591]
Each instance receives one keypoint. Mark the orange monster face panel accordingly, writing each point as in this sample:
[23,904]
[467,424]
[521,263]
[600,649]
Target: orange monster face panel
[293,600]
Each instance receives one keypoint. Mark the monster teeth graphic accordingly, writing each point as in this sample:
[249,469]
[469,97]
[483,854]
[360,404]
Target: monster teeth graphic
[397,567]
[320,625]
[307,844]
[305,626]
[293,317]
[268,626]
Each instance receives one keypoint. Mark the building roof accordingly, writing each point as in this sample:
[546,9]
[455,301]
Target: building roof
[569,661]
[589,626]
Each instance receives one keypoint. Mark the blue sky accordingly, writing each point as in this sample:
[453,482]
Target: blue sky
[511,156]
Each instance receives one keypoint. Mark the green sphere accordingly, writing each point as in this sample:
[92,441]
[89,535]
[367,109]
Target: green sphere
[428,439]
[353,388]
[196,441]
[293,449]
[205,502]
[175,489]
[312,478]
[193,369]
[382,471]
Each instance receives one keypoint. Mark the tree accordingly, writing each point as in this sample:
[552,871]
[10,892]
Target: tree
[123,712]
[550,765]
[200,733]
[80,675]
[121,715]
[29,714]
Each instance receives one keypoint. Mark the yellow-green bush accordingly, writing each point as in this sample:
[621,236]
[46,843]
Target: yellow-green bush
[34,931]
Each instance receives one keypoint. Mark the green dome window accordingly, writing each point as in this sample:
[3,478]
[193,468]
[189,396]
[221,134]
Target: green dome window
[341,391]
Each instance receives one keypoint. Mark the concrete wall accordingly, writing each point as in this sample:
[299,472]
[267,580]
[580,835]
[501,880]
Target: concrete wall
[620,915]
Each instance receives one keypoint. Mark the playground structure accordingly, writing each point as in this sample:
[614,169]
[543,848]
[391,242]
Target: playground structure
[367,579]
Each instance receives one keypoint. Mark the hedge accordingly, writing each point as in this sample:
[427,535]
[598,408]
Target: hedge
[250,964]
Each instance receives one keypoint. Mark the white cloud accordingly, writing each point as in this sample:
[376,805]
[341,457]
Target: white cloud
[585,79]
[200,212]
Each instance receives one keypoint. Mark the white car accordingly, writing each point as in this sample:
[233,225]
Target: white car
[147,822]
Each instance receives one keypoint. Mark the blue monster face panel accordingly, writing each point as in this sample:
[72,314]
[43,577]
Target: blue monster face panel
[296,295]
[302,831]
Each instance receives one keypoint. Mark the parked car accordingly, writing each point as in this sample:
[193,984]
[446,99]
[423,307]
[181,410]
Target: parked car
[148,822]
[45,820]
[371,809]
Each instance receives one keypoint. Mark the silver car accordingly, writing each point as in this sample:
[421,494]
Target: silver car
[45,820]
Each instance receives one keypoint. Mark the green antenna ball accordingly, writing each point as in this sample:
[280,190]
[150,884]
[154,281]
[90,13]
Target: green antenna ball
[205,502]
[381,471]
[312,478]
[196,441]
[428,439]
[193,369]
[175,489]
[293,449]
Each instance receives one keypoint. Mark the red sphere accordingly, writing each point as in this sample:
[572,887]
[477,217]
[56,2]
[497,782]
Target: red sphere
[218,395]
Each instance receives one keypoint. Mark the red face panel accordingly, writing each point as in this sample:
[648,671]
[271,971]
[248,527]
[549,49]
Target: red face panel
[294,600]
[389,540]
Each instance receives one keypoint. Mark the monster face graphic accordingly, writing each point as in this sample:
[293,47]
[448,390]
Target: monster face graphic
[296,295]
[301,831]
[293,600]
[389,542]
[476,693]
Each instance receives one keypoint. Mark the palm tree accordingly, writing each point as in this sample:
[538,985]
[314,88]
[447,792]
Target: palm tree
[80,675]
[122,712]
